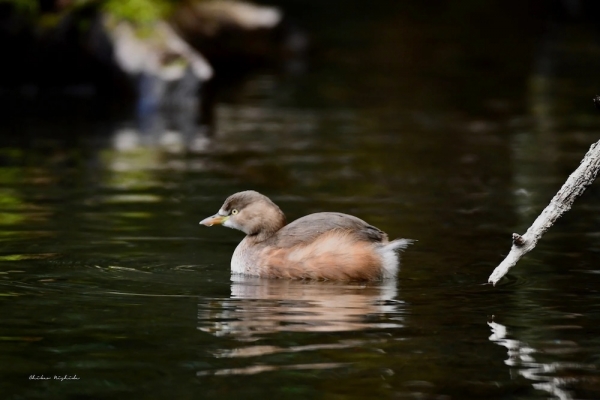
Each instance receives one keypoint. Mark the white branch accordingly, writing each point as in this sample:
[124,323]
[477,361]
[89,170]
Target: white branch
[575,185]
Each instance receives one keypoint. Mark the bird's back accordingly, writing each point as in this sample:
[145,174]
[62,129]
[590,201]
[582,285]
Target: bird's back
[306,229]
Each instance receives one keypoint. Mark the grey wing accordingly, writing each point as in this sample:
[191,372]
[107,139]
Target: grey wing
[307,228]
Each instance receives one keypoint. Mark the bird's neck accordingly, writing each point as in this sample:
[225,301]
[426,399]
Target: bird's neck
[268,230]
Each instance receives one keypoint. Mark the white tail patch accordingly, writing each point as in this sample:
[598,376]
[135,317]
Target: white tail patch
[390,256]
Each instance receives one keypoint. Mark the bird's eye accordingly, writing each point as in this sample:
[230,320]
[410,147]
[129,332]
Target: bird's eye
[234,211]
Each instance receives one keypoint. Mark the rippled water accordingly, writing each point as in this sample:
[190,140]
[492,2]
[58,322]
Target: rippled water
[107,278]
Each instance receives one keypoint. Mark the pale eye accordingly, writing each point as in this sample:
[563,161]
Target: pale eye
[234,211]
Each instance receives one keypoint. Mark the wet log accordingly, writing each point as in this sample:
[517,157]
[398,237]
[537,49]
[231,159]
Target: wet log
[162,59]
[575,185]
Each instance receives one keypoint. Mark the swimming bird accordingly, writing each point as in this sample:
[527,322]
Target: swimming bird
[321,246]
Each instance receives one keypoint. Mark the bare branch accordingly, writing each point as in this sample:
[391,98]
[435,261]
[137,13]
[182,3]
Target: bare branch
[575,185]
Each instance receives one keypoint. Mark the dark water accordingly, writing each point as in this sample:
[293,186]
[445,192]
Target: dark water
[450,127]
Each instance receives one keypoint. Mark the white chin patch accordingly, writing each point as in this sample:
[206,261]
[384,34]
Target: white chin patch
[230,224]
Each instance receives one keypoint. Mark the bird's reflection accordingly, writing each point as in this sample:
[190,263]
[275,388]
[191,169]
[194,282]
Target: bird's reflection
[553,377]
[261,306]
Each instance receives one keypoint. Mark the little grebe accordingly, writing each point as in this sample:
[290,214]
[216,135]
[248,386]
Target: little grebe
[325,245]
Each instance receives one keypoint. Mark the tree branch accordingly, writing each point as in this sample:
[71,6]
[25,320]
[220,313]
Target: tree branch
[575,185]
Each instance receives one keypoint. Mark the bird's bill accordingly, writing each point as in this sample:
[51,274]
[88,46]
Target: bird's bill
[214,220]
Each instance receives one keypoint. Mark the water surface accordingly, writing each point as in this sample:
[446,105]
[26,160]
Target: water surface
[428,127]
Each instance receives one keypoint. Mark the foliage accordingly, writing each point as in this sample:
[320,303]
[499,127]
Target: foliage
[28,7]
[141,12]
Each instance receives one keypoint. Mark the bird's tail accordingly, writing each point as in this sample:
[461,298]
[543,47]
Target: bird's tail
[391,258]
[398,244]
